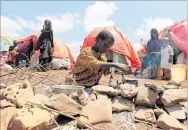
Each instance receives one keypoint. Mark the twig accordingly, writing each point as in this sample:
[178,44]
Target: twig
[143,122]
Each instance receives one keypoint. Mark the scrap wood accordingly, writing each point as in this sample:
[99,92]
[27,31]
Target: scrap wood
[88,125]
[143,122]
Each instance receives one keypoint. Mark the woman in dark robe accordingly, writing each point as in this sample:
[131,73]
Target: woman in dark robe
[45,44]
[153,57]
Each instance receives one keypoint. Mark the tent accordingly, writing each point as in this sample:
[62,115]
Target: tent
[122,45]
[178,34]
[6,40]
[60,50]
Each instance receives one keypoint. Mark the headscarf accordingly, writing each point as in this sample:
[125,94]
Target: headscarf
[154,44]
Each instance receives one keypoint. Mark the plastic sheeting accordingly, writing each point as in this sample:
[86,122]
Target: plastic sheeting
[122,45]
[179,35]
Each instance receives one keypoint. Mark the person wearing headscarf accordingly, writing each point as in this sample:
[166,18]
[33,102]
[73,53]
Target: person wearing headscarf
[45,44]
[153,58]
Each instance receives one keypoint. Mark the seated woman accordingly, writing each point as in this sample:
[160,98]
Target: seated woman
[153,58]
[91,62]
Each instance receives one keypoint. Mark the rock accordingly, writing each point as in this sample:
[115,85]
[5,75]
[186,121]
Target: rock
[146,97]
[44,99]
[154,87]
[174,83]
[167,122]
[170,87]
[83,97]
[62,102]
[120,104]
[173,96]
[5,103]
[92,97]
[43,90]
[113,83]
[106,90]
[184,104]
[2,85]
[5,116]
[159,112]
[101,96]
[128,90]
[31,119]
[176,111]
[18,91]
[99,111]
[145,115]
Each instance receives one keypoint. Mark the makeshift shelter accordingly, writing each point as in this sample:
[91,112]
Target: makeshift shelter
[121,48]
[6,40]
[178,34]
[59,51]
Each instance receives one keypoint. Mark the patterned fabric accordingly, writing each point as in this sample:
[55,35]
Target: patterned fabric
[87,67]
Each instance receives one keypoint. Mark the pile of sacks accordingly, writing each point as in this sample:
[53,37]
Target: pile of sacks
[164,106]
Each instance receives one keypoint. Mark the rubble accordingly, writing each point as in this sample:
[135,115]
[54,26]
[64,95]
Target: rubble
[167,122]
[176,111]
[106,90]
[43,90]
[173,96]
[154,87]
[159,112]
[2,86]
[63,103]
[128,90]
[120,104]
[83,97]
[146,97]
[169,87]
[5,103]
[146,115]
[98,111]
[31,118]
[5,116]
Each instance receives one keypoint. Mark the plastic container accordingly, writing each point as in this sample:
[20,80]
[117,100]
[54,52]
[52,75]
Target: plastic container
[178,73]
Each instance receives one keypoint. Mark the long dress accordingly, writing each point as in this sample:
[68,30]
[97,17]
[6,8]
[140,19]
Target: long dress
[45,44]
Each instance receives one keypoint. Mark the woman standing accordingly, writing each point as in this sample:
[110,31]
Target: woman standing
[45,44]
[153,58]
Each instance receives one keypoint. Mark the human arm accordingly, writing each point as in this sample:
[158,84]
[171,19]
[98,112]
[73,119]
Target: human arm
[52,37]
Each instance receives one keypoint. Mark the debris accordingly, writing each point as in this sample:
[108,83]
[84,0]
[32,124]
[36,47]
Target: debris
[169,87]
[167,122]
[4,103]
[176,111]
[120,104]
[63,103]
[83,97]
[146,97]
[173,96]
[5,116]
[128,90]
[98,111]
[43,90]
[2,85]
[146,115]
[154,87]
[106,90]
[159,112]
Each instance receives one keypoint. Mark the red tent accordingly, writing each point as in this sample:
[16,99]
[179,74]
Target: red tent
[122,45]
[59,50]
[179,35]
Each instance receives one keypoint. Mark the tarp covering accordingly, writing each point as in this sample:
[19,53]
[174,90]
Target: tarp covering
[122,45]
[6,40]
[179,35]
[59,50]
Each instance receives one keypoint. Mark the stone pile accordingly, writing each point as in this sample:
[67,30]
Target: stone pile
[22,106]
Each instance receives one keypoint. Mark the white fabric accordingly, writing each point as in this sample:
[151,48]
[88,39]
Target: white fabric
[165,55]
[59,63]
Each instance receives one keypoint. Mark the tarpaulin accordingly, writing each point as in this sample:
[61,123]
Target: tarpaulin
[122,45]
[179,35]
[60,49]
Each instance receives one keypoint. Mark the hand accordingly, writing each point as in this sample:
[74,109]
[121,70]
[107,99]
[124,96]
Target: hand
[125,68]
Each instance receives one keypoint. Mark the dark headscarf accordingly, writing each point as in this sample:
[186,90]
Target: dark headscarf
[154,44]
